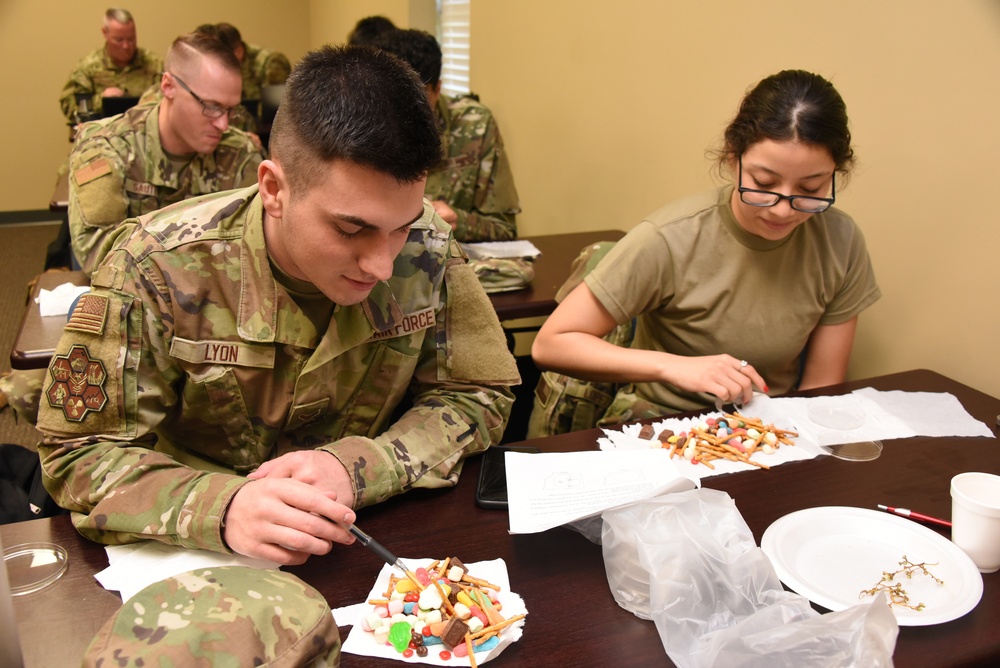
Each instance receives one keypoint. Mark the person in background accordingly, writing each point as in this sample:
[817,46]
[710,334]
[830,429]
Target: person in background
[473,190]
[755,285]
[368,28]
[153,155]
[259,67]
[119,68]
[177,147]
[252,367]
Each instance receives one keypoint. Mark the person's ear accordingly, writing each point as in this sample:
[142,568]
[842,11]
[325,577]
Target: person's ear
[167,88]
[273,187]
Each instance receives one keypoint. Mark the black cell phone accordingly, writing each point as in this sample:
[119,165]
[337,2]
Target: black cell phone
[492,489]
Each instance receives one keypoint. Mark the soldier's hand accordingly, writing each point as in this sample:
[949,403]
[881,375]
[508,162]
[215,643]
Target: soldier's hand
[112,91]
[285,521]
[313,467]
[447,214]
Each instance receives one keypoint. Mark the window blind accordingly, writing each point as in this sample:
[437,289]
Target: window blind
[454,39]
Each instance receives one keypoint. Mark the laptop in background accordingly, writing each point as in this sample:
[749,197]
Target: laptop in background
[111,106]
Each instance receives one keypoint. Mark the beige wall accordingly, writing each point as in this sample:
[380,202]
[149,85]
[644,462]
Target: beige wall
[608,106]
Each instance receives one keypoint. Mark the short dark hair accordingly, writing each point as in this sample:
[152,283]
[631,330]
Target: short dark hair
[792,105]
[354,103]
[369,28]
[182,52]
[224,32]
[418,48]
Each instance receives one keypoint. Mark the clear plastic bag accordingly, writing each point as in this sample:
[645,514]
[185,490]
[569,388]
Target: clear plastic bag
[689,562]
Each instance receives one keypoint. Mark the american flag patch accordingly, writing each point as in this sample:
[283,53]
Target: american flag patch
[89,314]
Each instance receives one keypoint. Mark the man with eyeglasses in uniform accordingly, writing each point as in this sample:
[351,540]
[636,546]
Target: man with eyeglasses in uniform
[119,68]
[158,154]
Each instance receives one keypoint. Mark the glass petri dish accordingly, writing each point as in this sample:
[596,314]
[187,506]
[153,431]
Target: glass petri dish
[32,567]
[836,414]
[854,451]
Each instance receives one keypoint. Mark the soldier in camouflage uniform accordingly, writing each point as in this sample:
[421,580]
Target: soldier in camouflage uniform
[319,334]
[119,68]
[220,616]
[158,154]
[473,189]
[261,67]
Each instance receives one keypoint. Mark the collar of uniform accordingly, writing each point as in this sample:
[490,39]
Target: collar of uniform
[110,64]
[751,241]
[155,151]
[443,114]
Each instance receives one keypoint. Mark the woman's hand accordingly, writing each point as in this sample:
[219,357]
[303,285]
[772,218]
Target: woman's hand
[726,377]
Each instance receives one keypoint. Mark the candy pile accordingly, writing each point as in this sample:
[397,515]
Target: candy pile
[733,436]
[439,605]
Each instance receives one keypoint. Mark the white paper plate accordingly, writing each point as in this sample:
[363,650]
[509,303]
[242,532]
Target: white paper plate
[830,554]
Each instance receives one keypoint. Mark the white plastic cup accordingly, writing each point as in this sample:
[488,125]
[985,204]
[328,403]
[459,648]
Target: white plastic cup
[975,518]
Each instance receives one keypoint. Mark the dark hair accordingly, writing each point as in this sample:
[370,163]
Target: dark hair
[369,28]
[182,52]
[416,47]
[224,32]
[792,105]
[354,103]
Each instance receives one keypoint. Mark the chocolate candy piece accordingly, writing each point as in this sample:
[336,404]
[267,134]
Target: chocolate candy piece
[646,432]
[454,632]
[664,436]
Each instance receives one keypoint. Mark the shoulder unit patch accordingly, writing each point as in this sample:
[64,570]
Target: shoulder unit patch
[77,384]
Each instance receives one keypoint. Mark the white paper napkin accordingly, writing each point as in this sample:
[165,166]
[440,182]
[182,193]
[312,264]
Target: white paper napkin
[58,300]
[134,567]
[363,643]
[866,414]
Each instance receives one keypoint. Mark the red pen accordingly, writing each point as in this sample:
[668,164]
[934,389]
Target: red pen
[913,515]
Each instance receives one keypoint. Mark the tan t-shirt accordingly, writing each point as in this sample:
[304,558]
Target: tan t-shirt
[699,284]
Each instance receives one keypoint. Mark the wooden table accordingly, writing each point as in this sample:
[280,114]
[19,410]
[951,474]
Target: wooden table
[573,618]
[37,337]
[551,271]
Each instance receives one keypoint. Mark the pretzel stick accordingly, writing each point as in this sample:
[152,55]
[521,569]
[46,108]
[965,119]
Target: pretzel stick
[472,652]
[496,627]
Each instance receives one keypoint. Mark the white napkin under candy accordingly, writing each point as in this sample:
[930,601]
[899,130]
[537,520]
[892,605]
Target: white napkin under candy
[878,415]
[363,643]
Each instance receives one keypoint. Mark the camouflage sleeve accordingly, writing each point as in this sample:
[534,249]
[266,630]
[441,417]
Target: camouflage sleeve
[495,200]
[462,400]
[78,82]
[98,428]
[97,199]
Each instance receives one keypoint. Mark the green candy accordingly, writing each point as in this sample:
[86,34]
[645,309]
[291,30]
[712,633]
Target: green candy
[399,636]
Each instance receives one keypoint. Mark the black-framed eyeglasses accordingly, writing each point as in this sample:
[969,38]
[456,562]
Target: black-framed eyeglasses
[801,203]
[209,109]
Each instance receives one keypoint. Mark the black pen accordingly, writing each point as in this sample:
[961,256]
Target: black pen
[376,547]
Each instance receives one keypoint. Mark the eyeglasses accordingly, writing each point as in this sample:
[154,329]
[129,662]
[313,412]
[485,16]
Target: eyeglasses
[209,109]
[801,203]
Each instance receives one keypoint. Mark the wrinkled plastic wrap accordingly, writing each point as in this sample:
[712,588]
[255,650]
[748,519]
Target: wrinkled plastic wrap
[688,562]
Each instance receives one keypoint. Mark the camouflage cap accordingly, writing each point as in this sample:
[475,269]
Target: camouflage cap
[223,616]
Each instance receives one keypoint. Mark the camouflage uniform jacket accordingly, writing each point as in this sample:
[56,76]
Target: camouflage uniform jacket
[118,170]
[189,345]
[475,179]
[96,72]
[262,67]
